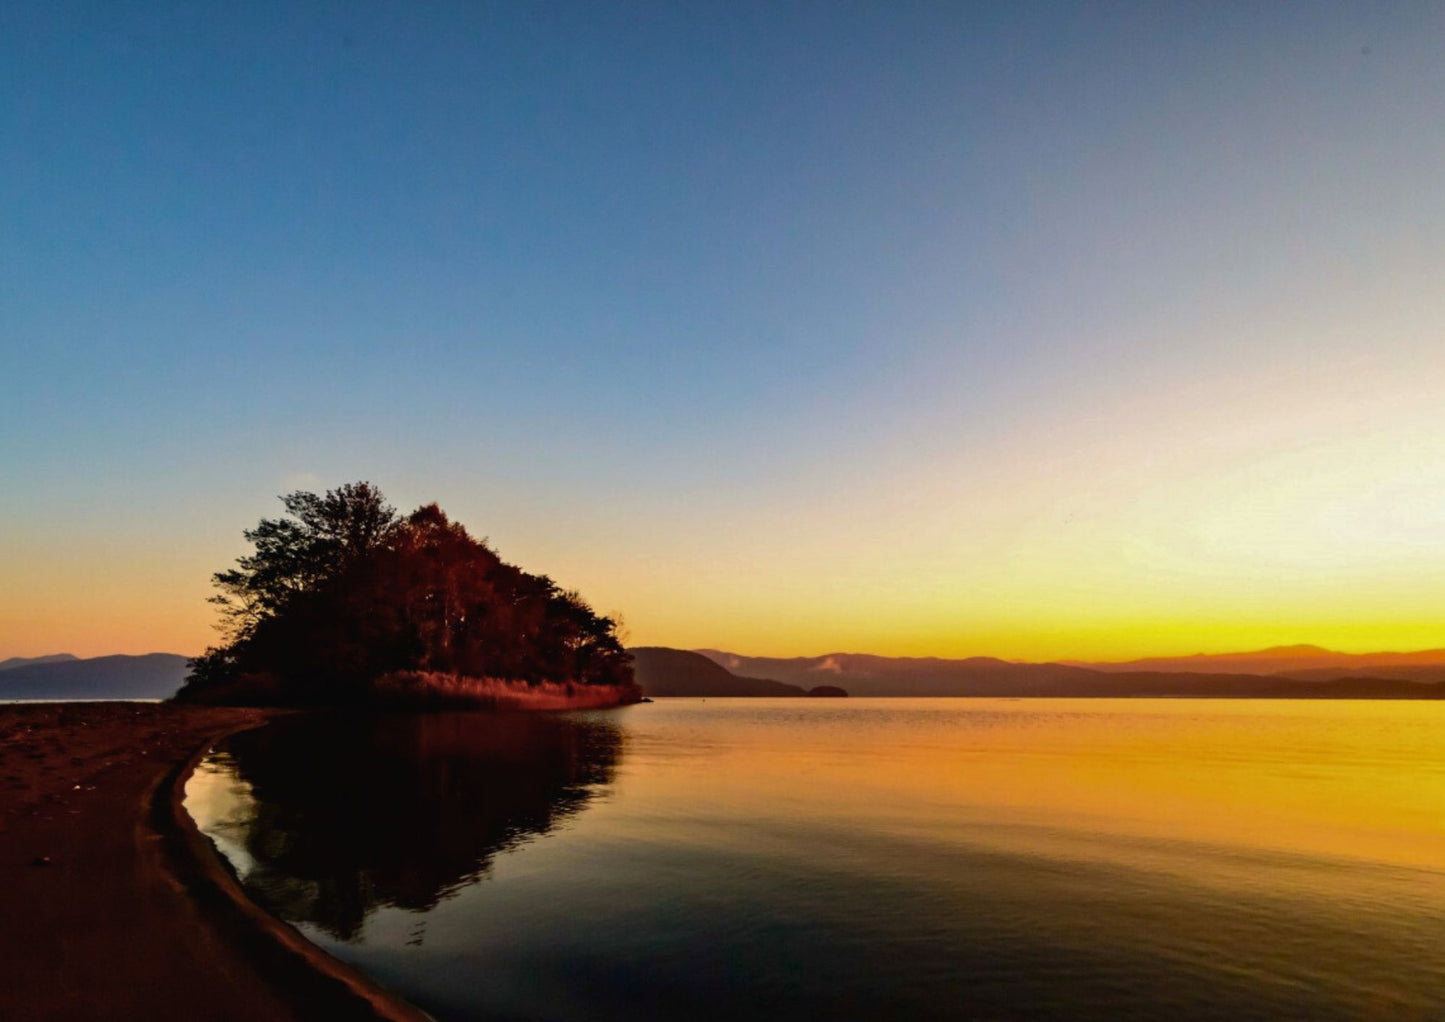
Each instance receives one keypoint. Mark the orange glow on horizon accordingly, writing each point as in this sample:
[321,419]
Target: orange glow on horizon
[1103,537]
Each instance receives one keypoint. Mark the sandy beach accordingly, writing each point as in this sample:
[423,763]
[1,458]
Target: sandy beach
[115,907]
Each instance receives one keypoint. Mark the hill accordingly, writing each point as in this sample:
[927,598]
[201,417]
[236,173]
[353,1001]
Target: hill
[677,672]
[867,675]
[152,676]
[1425,673]
[1296,661]
[26,661]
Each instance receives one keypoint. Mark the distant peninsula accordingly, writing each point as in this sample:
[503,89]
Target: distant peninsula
[665,672]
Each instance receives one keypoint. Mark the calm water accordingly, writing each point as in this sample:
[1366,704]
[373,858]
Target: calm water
[861,859]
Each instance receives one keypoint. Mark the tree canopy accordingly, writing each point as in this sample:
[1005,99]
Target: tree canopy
[342,592]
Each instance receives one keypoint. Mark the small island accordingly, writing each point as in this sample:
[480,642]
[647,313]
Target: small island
[346,602]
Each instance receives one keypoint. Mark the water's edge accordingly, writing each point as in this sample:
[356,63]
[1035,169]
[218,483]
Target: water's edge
[275,946]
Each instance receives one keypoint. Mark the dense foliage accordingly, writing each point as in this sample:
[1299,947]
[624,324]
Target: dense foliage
[343,592]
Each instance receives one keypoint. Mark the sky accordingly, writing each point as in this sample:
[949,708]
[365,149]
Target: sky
[1089,330]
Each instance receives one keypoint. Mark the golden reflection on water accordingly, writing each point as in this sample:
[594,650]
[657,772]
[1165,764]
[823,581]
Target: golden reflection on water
[861,859]
[1338,779]
[1272,845]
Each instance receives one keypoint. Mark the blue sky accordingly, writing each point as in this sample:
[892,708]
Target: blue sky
[688,303]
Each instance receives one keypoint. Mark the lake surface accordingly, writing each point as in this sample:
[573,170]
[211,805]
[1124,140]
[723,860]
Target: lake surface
[861,859]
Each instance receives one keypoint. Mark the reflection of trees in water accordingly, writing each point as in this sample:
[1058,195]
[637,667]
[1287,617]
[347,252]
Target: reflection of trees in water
[352,813]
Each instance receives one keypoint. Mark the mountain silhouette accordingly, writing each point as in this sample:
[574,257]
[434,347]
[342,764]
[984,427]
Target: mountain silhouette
[864,674]
[27,661]
[678,672]
[1279,672]
[152,676]
[1297,661]
[868,675]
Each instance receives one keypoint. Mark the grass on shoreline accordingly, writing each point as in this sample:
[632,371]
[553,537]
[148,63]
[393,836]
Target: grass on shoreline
[434,689]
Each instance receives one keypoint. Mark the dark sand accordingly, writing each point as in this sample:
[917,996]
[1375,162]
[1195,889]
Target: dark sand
[133,917]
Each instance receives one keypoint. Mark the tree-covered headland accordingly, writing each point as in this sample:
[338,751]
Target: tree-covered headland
[344,601]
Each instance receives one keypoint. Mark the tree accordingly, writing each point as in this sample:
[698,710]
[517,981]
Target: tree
[342,592]
[296,555]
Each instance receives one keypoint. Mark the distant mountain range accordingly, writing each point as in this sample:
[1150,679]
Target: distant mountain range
[678,672]
[1298,672]
[152,676]
[1280,672]
[1304,662]
[26,661]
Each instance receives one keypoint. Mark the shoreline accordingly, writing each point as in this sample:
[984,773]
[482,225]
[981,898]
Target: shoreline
[118,905]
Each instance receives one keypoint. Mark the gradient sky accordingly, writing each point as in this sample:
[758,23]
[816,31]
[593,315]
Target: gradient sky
[1032,330]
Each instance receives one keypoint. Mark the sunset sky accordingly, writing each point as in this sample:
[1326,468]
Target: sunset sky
[1029,330]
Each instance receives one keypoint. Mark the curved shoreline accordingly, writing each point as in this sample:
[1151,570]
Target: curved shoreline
[317,977]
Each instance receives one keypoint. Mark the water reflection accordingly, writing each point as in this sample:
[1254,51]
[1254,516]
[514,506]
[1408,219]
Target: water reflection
[929,860]
[349,814]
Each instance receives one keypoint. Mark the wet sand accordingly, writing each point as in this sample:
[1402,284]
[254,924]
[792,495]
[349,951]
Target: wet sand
[114,907]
